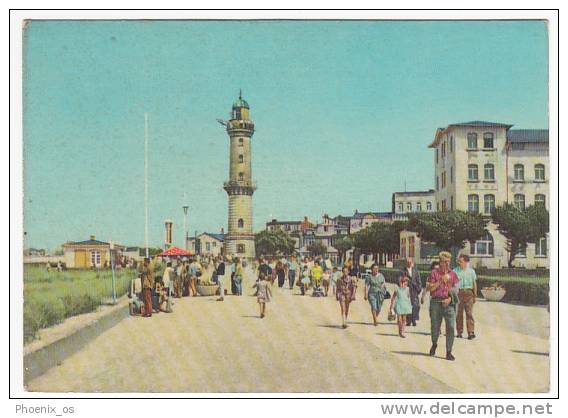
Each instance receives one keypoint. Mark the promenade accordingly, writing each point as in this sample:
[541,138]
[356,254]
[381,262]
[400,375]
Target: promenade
[206,346]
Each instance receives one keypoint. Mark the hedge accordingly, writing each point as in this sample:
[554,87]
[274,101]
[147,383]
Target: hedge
[527,290]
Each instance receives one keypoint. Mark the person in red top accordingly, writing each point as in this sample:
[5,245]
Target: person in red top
[442,285]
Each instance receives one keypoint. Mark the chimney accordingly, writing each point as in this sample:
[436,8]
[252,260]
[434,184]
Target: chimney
[222,231]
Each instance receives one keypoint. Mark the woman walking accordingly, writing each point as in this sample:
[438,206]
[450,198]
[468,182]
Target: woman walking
[305,281]
[375,291]
[263,293]
[402,304]
[345,293]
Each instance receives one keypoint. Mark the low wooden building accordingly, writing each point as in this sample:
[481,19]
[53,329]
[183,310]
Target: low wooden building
[89,253]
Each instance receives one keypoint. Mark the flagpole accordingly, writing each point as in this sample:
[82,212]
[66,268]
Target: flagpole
[146,182]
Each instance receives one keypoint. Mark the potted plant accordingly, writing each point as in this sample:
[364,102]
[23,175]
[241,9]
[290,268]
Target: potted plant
[493,293]
[206,287]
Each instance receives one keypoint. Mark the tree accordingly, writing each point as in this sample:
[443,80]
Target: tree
[520,226]
[379,238]
[343,245]
[316,248]
[273,243]
[449,230]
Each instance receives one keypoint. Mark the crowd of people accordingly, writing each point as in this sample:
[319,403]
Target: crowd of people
[452,293]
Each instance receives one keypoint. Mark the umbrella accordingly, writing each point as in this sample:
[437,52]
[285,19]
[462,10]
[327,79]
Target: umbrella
[175,252]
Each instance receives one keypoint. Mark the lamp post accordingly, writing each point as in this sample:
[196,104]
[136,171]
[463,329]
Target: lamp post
[185,233]
[112,269]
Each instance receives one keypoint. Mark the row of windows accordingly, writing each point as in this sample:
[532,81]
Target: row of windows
[519,172]
[489,202]
[485,247]
[488,140]
[444,178]
[418,206]
[473,172]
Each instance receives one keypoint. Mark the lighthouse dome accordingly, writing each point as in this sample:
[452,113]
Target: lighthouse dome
[240,102]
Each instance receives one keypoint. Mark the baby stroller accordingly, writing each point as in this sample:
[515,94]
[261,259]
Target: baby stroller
[318,291]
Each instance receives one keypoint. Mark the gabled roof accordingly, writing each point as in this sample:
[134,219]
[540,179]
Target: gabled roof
[87,242]
[218,237]
[527,135]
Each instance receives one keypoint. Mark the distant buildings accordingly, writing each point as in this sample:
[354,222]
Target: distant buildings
[413,202]
[207,244]
[89,253]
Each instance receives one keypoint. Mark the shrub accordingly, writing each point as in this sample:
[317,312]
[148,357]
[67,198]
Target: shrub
[528,290]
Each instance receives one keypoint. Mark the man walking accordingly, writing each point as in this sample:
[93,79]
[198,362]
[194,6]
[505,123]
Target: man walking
[467,294]
[220,273]
[415,286]
[147,286]
[292,269]
[441,284]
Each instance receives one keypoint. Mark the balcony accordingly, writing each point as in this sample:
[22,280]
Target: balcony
[240,187]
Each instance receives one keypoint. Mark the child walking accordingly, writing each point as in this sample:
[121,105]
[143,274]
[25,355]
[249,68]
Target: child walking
[402,305]
[263,293]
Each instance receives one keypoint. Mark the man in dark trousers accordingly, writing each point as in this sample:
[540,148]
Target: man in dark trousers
[415,286]
[147,286]
[220,273]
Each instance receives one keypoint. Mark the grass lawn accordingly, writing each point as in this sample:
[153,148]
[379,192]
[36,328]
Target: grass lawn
[50,297]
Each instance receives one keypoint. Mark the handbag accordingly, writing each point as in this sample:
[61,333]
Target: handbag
[387,295]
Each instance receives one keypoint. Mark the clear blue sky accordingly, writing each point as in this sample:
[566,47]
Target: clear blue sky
[344,113]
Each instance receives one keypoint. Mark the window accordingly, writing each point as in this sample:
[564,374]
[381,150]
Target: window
[409,207]
[472,172]
[451,144]
[436,155]
[539,172]
[520,201]
[240,142]
[241,176]
[444,204]
[96,258]
[488,140]
[428,205]
[444,149]
[451,203]
[473,203]
[488,204]
[471,140]
[207,246]
[489,171]
[240,248]
[451,175]
[443,179]
[519,172]
[437,183]
[418,207]
[522,251]
[400,207]
[411,247]
[241,158]
[214,244]
[437,206]
[241,223]
[540,199]
[540,247]
[517,146]
[403,247]
[483,246]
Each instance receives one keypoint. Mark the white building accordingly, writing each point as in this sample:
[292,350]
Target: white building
[413,202]
[207,244]
[480,165]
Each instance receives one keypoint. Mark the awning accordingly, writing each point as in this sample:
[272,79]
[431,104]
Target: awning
[175,252]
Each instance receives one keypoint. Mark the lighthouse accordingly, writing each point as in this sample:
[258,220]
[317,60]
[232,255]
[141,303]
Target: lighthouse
[239,240]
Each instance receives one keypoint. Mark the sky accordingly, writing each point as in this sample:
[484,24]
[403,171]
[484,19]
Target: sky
[344,112]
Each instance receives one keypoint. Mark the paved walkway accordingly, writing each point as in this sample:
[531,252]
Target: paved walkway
[208,346]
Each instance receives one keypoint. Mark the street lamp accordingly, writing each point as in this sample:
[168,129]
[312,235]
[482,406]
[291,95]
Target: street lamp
[185,210]
[112,268]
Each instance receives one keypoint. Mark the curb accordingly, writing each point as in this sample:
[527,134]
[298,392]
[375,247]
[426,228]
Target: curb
[40,361]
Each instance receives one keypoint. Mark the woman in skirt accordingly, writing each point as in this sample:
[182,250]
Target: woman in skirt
[263,293]
[345,293]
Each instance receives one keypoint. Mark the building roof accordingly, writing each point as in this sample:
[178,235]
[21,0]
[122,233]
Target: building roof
[218,237]
[482,123]
[87,242]
[420,193]
[527,135]
[360,215]
[473,123]
[275,222]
